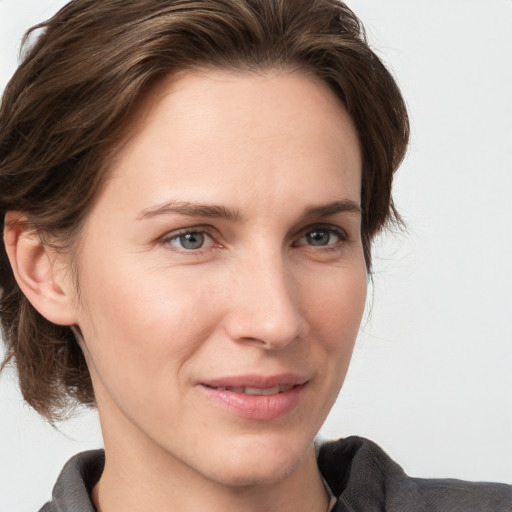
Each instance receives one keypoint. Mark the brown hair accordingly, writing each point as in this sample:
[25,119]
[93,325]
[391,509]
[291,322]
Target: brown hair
[66,106]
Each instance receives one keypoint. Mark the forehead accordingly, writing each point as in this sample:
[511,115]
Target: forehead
[213,133]
[204,103]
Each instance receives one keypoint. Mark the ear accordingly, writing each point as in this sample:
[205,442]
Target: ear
[40,271]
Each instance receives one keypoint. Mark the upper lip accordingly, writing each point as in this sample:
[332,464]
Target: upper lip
[256,381]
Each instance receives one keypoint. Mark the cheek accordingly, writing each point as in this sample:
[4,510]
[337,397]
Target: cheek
[336,309]
[334,313]
[142,328]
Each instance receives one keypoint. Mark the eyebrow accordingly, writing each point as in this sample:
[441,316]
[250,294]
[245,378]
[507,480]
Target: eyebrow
[222,212]
[191,210]
[326,210]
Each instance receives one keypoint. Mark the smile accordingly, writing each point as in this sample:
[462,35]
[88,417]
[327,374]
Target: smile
[256,398]
[255,391]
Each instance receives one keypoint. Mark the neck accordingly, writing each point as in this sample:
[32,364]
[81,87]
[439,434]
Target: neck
[143,490]
[139,476]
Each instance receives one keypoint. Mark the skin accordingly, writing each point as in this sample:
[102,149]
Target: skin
[258,297]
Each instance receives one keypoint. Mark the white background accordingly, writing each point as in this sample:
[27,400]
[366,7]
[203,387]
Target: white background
[431,378]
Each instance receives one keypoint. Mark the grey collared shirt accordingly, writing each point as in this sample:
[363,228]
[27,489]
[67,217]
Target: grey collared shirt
[359,474]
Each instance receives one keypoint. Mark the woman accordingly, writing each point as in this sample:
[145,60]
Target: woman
[190,192]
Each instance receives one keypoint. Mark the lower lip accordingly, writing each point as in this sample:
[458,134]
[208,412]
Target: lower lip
[256,407]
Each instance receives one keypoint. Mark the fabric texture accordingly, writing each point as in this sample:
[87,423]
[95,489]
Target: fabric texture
[365,479]
[359,473]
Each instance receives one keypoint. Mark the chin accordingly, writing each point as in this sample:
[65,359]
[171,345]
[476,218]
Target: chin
[255,461]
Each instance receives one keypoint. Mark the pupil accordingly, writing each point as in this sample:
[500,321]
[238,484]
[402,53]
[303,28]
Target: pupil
[192,240]
[318,237]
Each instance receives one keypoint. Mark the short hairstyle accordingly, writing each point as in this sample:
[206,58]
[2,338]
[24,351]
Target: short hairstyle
[63,113]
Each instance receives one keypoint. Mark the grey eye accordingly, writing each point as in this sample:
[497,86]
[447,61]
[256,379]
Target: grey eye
[322,237]
[190,241]
[318,237]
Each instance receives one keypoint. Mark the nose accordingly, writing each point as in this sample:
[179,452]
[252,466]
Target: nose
[265,308]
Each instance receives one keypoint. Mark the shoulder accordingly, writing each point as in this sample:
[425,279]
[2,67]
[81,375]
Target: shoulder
[363,477]
[76,480]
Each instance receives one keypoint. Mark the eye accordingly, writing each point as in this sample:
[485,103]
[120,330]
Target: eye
[323,236]
[192,240]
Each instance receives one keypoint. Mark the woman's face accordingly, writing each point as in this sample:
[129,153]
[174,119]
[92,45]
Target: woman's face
[222,277]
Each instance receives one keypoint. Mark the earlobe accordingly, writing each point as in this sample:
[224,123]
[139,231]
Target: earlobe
[39,271]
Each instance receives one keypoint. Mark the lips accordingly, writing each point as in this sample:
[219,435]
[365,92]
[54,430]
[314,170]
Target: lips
[256,397]
[257,391]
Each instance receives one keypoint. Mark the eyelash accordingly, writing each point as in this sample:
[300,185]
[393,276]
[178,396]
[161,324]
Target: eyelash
[331,230]
[167,239]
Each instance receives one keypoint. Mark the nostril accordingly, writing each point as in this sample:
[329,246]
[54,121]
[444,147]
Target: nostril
[264,309]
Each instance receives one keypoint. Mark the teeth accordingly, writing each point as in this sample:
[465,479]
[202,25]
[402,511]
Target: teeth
[257,391]
[266,391]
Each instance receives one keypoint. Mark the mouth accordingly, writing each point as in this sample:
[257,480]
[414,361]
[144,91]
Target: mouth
[256,398]
[274,390]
